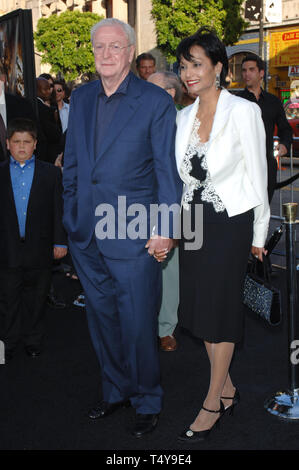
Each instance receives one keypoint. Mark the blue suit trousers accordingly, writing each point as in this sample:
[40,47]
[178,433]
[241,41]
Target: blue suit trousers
[122,302]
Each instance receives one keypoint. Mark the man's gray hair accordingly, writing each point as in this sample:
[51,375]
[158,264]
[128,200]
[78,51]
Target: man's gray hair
[127,29]
[171,80]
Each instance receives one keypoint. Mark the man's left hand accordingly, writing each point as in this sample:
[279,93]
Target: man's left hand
[159,247]
[59,252]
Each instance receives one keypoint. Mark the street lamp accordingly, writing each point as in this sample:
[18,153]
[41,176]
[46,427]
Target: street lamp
[261,31]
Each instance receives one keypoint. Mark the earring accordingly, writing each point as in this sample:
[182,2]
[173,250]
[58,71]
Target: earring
[217,81]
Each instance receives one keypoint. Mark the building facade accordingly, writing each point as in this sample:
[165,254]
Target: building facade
[280,34]
[134,12]
[280,47]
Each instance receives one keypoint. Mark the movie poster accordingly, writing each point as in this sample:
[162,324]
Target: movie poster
[11,55]
[16,52]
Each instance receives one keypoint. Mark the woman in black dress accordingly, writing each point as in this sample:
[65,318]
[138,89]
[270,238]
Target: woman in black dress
[221,158]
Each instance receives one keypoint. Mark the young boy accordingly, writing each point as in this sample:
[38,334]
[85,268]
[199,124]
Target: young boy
[31,234]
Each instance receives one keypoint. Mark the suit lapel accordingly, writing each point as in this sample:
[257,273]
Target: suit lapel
[185,120]
[90,117]
[12,212]
[221,115]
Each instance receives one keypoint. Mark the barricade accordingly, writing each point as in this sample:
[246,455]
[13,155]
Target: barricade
[285,404]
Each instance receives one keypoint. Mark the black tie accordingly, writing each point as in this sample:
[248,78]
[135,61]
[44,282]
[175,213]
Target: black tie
[2,134]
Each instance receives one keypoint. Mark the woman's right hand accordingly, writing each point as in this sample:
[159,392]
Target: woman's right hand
[258,252]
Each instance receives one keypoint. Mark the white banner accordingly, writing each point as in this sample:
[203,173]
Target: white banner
[273,11]
[293,71]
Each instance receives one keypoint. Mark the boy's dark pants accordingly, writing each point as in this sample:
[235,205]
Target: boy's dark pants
[23,296]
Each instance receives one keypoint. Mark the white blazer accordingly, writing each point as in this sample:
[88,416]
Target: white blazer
[236,157]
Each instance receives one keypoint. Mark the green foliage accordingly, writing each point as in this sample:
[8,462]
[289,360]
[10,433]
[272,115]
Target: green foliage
[65,43]
[176,19]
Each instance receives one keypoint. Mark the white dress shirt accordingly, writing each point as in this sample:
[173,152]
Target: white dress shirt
[3,103]
[64,115]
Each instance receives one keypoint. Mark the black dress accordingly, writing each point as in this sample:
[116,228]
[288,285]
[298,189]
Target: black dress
[212,277]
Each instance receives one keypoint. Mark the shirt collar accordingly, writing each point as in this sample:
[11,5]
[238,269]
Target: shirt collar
[27,162]
[2,98]
[262,94]
[122,89]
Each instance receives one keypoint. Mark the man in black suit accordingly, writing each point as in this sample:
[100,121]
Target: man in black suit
[31,235]
[11,107]
[253,70]
[50,141]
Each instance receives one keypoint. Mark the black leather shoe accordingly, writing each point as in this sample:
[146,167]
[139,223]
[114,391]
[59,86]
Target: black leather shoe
[55,303]
[33,351]
[144,424]
[103,408]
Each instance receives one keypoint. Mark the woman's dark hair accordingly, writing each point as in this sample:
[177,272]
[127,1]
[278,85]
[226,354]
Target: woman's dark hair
[211,44]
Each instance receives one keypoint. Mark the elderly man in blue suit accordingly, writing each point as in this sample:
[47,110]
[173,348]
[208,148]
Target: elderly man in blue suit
[120,153]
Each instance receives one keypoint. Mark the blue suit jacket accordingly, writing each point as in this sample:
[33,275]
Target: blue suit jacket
[136,161]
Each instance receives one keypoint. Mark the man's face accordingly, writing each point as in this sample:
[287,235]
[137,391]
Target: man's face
[44,90]
[251,75]
[146,68]
[21,146]
[59,91]
[112,52]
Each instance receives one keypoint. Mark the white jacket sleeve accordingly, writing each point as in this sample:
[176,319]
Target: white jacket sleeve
[253,142]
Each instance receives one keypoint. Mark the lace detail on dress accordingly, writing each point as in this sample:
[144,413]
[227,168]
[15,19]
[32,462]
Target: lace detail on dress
[196,147]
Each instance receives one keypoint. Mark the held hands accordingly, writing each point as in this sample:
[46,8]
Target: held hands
[159,247]
[258,252]
[59,252]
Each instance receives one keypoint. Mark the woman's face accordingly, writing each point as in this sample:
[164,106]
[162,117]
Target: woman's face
[198,75]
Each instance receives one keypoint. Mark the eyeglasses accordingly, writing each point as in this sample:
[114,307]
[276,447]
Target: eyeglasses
[114,49]
[59,90]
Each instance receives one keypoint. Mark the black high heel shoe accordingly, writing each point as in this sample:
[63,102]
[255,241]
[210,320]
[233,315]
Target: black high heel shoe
[236,399]
[196,436]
